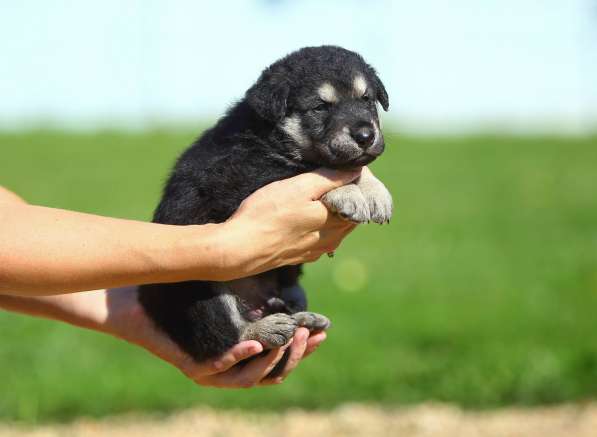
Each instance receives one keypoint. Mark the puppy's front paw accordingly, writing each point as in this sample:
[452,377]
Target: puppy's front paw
[312,321]
[272,331]
[378,199]
[349,203]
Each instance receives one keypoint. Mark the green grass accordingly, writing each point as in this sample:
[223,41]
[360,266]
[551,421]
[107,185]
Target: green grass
[482,291]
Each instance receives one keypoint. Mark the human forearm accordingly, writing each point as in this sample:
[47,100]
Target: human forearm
[86,310]
[48,251]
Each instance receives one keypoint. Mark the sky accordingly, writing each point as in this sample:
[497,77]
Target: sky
[513,65]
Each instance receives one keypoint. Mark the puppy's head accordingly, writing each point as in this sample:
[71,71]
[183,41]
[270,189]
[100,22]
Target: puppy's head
[325,100]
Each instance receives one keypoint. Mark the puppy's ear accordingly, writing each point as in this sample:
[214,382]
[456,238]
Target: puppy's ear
[268,97]
[382,94]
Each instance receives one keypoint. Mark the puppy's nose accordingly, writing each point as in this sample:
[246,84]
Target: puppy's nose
[363,134]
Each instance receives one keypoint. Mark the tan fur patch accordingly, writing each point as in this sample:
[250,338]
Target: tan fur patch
[359,85]
[328,93]
[292,126]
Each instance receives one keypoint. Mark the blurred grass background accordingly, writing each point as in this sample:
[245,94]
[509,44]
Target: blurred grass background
[482,291]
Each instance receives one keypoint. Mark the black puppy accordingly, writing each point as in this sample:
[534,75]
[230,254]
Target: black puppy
[314,108]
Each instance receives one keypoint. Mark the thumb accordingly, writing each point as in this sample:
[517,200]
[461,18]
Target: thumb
[315,184]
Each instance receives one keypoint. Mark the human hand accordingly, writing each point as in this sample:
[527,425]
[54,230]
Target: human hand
[124,318]
[284,223]
[53,251]
[118,313]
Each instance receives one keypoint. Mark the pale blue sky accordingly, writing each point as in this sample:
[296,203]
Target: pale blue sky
[448,65]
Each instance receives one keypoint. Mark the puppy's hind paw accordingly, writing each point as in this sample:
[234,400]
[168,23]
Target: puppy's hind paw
[312,321]
[272,331]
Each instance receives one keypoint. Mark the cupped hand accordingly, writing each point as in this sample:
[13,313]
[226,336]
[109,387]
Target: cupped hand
[125,318]
[221,372]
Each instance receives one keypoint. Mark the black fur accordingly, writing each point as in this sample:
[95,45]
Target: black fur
[247,149]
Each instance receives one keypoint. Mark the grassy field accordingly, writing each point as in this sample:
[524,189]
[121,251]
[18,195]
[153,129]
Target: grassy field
[482,291]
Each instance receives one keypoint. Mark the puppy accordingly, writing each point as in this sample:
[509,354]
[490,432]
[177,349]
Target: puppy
[316,107]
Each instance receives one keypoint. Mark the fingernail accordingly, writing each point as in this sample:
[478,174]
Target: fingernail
[278,380]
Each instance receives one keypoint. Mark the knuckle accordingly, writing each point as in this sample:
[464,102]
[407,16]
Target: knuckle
[305,183]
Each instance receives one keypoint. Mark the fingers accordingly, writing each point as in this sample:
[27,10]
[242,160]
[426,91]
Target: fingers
[315,184]
[224,362]
[303,345]
[322,216]
[331,237]
[337,224]
[256,370]
[321,242]
[297,350]
[260,368]
[313,342]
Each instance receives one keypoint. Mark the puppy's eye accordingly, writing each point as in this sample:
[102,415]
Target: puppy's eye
[322,106]
[365,98]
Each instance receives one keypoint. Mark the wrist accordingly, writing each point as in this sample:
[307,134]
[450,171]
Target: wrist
[240,251]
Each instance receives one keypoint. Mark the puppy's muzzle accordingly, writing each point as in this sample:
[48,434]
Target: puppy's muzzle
[363,134]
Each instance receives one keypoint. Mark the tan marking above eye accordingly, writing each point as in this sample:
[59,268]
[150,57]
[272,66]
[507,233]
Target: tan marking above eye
[327,93]
[359,86]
